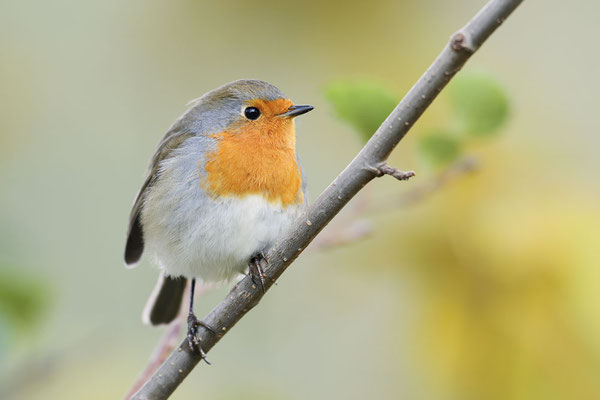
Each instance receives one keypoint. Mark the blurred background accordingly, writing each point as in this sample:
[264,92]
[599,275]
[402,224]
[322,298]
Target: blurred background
[485,288]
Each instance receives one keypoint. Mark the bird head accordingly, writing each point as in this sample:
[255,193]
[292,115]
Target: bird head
[244,107]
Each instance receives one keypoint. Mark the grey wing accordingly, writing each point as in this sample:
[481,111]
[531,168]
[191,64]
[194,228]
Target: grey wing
[135,233]
[135,237]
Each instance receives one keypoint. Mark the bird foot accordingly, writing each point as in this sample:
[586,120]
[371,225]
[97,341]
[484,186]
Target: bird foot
[256,272]
[192,335]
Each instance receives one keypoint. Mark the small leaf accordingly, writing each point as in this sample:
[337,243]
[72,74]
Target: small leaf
[479,103]
[439,148]
[362,103]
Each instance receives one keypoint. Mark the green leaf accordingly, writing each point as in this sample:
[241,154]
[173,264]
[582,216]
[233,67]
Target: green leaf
[22,298]
[439,148]
[479,103]
[362,103]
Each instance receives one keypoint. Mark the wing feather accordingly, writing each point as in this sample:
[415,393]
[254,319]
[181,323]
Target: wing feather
[135,233]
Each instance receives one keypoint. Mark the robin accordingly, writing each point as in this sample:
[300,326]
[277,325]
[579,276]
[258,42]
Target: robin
[224,184]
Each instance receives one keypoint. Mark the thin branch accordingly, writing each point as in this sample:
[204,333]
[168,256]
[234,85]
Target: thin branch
[245,295]
[349,232]
[385,169]
[165,346]
[167,342]
[460,168]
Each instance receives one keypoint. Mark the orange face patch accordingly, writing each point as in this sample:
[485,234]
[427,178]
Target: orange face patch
[257,157]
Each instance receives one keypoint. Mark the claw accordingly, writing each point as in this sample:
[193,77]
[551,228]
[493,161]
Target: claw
[256,271]
[192,336]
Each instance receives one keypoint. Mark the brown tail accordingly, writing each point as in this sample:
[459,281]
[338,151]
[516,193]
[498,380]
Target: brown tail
[165,301]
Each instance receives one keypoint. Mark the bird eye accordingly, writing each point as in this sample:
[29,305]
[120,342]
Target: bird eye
[252,113]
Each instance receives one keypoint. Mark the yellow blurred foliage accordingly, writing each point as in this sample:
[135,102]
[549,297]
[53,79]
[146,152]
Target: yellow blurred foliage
[511,287]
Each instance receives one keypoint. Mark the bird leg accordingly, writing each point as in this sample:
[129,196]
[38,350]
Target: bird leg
[256,271]
[193,324]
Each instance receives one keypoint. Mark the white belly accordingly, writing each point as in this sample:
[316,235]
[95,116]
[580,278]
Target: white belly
[214,242]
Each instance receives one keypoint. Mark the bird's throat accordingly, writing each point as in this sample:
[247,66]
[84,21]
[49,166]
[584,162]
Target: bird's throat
[255,161]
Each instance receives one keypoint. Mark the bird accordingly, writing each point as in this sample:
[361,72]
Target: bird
[224,184]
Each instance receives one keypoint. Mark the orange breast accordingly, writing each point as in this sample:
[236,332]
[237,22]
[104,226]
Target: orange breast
[256,158]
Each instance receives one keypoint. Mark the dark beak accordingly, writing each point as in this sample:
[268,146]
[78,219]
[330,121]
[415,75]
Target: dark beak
[294,111]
